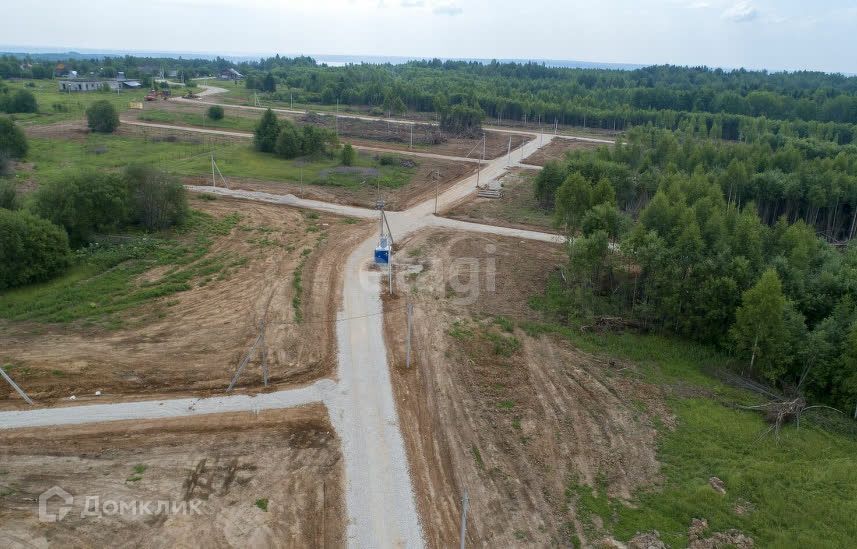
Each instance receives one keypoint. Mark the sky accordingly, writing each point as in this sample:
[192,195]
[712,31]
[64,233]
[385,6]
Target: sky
[757,34]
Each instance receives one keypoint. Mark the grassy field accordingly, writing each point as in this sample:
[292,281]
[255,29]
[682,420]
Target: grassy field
[104,280]
[55,106]
[51,157]
[793,491]
[229,122]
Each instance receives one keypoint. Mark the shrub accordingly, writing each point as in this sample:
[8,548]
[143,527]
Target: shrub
[31,249]
[20,101]
[84,203]
[215,112]
[13,143]
[8,195]
[158,200]
[347,156]
[289,142]
[314,140]
[102,117]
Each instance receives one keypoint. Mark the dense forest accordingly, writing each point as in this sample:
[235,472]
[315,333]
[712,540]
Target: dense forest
[735,105]
[718,242]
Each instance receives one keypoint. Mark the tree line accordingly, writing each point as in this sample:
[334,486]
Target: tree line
[806,104]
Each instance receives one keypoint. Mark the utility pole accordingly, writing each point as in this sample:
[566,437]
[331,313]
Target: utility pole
[509,153]
[291,100]
[479,169]
[412,137]
[336,118]
[435,175]
[555,125]
[410,327]
[213,178]
[464,503]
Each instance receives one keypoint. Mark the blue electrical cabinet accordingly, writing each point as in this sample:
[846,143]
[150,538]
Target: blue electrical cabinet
[382,252]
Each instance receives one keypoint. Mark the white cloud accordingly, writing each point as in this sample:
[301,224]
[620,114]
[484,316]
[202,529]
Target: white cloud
[412,3]
[741,12]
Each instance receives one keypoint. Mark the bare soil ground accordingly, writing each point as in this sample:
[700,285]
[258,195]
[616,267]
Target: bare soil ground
[517,208]
[224,463]
[422,186]
[427,138]
[512,418]
[556,149]
[193,341]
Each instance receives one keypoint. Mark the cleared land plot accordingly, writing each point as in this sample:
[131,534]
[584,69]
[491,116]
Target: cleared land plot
[421,186]
[176,313]
[556,150]
[358,131]
[516,419]
[427,138]
[403,180]
[517,208]
[272,479]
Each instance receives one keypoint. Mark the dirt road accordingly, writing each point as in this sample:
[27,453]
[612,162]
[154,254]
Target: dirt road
[381,506]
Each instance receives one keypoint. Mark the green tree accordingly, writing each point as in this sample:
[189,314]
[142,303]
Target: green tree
[462,120]
[84,203]
[347,156]
[314,140]
[603,193]
[102,117]
[267,131]
[13,142]
[157,199]
[269,84]
[760,328]
[547,182]
[31,249]
[604,217]
[573,199]
[289,142]
[215,112]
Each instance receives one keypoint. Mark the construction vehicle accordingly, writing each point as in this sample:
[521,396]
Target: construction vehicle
[153,95]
